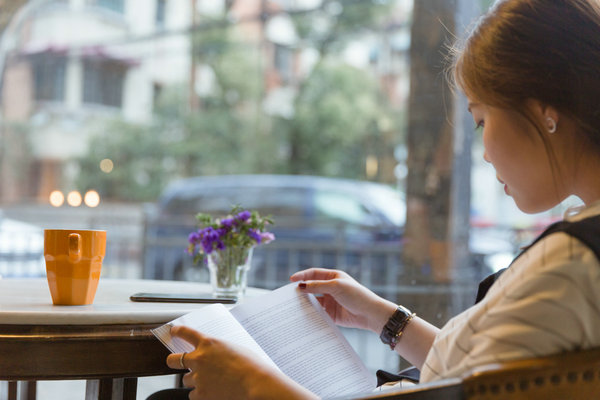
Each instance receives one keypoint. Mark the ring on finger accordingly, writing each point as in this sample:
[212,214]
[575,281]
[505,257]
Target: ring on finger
[181,360]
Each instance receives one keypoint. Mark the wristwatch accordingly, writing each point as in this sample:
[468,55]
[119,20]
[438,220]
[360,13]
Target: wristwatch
[393,329]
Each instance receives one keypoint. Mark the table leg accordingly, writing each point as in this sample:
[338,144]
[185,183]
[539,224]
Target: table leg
[111,389]
[22,390]
[28,390]
[12,390]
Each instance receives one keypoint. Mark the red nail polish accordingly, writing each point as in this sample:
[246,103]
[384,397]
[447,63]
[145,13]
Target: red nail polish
[302,285]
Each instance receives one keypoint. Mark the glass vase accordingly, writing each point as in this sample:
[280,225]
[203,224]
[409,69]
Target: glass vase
[228,270]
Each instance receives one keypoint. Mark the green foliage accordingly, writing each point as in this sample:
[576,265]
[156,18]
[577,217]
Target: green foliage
[336,113]
[337,117]
[336,22]
[136,151]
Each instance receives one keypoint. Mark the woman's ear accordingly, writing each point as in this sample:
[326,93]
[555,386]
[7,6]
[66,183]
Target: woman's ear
[546,115]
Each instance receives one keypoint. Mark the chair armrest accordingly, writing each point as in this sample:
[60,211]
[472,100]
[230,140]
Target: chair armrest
[446,389]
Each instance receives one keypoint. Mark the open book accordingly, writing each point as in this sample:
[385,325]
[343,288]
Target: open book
[291,330]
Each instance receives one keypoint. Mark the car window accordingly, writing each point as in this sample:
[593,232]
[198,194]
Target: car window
[275,201]
[342,206]
[283,202]
[211,200]
[388,202]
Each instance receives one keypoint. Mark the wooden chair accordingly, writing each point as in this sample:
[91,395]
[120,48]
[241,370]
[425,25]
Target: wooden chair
[571,375]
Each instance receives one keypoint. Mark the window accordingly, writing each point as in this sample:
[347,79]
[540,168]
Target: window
[103,82]
[49,77]
[294,87]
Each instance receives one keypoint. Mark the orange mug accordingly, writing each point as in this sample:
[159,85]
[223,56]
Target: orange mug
[73,264]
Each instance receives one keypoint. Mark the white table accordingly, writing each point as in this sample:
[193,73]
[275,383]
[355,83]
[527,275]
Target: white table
[108,343]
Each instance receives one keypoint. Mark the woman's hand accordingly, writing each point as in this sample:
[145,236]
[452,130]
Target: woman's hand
[351,304]
[347,302]
[220,370]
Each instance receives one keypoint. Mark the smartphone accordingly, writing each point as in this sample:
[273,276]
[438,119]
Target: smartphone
[180,298]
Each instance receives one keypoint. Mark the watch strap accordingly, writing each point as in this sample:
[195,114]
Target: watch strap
[393,329]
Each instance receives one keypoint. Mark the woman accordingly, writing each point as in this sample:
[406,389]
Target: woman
[531,72]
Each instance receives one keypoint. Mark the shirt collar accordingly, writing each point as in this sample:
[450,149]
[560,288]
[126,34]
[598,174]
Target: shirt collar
[582,212]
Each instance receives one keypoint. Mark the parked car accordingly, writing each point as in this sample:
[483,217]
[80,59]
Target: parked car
[21,249]
[305,209]
[318,221]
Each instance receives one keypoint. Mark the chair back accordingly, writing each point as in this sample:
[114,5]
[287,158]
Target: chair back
[571,375]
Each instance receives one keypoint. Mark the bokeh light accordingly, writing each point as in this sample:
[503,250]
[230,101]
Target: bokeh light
[74,199]
[56,198]
[91,198]
[106,165]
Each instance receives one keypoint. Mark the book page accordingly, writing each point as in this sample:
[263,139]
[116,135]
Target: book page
[214,320]
[295,331]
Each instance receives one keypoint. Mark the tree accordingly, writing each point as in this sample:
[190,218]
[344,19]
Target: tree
[138,168]
[336,113]
[338,109]
[438,184]
[340,113]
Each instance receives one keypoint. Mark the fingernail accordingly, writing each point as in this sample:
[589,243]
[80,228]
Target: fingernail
[302,285]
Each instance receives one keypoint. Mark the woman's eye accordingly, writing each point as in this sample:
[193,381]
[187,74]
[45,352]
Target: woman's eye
[479,126]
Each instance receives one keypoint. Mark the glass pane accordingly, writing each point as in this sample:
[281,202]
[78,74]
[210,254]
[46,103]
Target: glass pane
[112,115]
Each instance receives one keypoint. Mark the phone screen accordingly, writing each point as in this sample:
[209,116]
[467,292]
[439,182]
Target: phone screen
[180,298]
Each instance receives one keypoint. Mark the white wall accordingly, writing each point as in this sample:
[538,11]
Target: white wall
[160,57]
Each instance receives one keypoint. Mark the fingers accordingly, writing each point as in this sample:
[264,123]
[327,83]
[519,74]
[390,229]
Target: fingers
[190,335]
[188,380]
[316,274]
[331,286]
[174,361]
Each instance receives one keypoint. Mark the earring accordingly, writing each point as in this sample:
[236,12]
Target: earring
[551,123]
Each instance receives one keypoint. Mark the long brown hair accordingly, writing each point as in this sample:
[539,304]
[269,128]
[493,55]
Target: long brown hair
[548,50]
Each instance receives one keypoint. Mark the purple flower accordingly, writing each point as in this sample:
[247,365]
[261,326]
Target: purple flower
[243,216]
[207,247]
[254,234]
[209,237]
[194,238]
[267,237]
[222,232]
[227,223]
[239,229]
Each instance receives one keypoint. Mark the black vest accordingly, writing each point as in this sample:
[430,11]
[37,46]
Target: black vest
[586,230]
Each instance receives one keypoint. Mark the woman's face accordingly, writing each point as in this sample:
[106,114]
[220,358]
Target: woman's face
[516,150]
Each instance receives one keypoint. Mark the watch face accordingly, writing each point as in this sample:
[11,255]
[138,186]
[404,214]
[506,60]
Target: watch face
[395,325]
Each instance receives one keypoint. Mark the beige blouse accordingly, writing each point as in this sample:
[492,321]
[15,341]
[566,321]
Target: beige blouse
[548,301]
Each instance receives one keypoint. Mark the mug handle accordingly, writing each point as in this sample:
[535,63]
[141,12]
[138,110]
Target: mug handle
[74,247]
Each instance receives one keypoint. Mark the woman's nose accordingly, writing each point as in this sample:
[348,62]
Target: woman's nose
[485,157]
